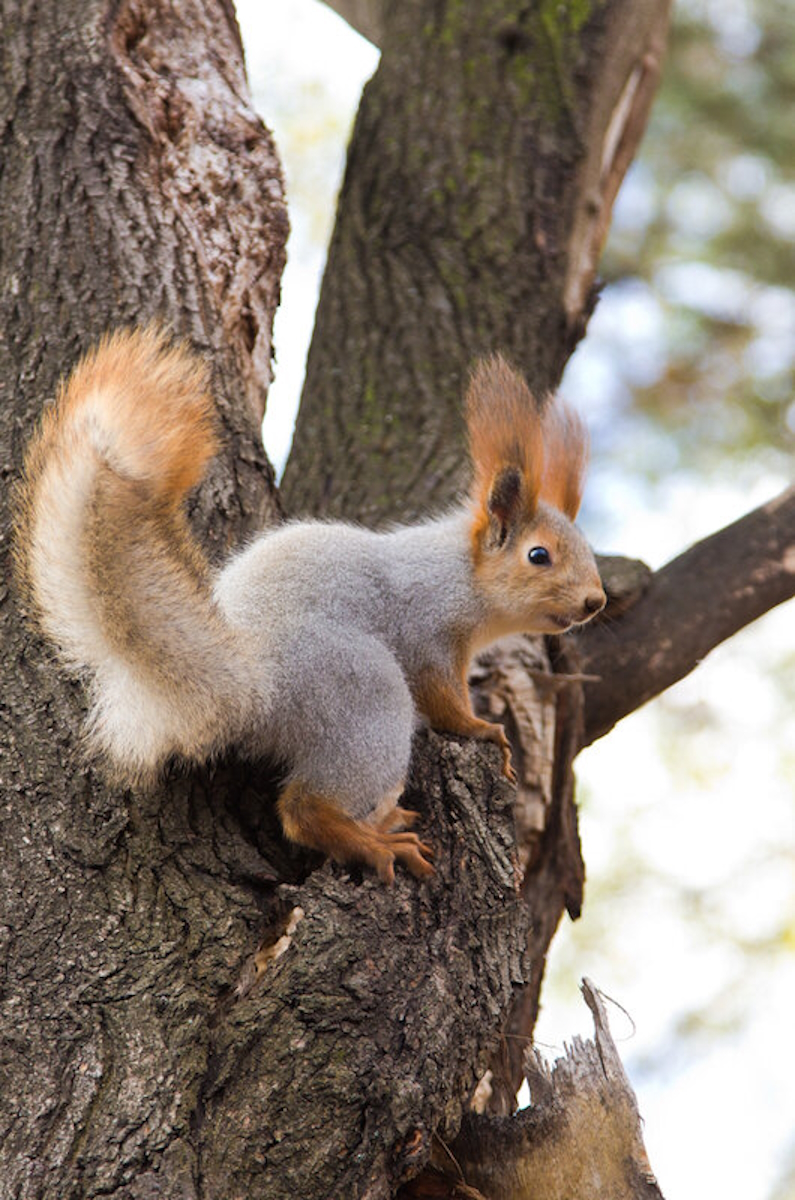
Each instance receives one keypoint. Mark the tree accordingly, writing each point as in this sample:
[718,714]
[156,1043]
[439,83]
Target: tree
[192,1007]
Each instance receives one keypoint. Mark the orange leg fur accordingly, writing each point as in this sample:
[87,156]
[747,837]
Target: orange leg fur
[447,707]
[321,824]
[396,818]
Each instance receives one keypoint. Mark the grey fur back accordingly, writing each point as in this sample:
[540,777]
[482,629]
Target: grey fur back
[340,616]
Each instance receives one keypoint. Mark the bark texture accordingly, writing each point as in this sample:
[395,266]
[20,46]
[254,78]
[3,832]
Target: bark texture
[126,140]
[481,173]
[190,1008]
[369,1030]
[138,184]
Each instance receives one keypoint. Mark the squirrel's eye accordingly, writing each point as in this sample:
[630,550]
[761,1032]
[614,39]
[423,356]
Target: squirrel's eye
[539,556]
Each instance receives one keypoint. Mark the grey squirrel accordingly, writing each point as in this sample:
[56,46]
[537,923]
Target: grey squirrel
[318,643]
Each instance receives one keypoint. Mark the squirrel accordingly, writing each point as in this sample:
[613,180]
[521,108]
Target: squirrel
[319,644]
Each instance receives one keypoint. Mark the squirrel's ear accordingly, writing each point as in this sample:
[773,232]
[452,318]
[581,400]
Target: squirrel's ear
[504,502]
[506,444]
[565,457]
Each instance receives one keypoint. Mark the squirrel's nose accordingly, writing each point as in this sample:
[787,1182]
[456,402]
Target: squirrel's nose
[594,603]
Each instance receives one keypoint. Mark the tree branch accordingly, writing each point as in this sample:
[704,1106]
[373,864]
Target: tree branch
[697,601]
[365,16]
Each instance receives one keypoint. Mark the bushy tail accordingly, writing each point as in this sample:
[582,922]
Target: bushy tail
[108,564]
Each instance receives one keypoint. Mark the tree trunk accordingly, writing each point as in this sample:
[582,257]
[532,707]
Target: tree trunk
[481,173]
[191,1008]
[136,183]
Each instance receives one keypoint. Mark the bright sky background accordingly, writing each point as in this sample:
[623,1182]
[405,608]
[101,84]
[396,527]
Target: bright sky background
[716,836]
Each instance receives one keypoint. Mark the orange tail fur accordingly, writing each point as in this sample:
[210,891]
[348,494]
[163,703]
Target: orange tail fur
[107,561]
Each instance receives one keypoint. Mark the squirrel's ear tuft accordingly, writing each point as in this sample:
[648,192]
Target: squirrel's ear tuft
[565,457]
[506,443]
[505,502]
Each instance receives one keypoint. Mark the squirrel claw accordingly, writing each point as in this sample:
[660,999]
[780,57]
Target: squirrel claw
[507,762]
[501,740]
[407,849]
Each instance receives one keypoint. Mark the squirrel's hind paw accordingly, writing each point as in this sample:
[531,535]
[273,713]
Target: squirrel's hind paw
[322,824]
[408,850]
[397,818]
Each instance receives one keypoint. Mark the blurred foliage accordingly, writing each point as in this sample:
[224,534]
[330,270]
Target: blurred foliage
[703,240]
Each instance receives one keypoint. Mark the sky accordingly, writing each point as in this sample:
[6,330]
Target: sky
[713,824]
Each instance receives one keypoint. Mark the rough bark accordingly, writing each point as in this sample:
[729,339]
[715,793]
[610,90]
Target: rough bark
[481,174]
[190,1008]
[480,179]
[138,183]
[122,915]
[581,1136]
[369,1031]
